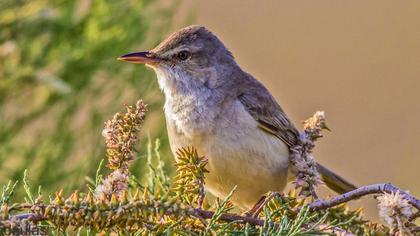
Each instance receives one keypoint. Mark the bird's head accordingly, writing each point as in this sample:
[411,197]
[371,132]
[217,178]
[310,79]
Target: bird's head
[191,55]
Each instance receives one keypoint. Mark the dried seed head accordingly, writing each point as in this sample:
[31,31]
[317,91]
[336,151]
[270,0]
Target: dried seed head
[116,182]
[393,205]
[314,125]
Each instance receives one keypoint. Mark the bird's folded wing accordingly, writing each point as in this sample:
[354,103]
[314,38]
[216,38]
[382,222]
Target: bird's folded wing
[267,112]
[261,105]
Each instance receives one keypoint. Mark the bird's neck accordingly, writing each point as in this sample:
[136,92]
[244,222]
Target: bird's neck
[189,104]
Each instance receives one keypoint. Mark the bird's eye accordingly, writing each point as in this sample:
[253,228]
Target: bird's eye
[184,55]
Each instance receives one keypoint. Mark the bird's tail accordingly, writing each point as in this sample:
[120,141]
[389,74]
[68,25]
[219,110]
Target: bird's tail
[334,181]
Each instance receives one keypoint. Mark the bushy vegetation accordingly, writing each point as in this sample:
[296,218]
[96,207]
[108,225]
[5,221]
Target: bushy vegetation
[120,203]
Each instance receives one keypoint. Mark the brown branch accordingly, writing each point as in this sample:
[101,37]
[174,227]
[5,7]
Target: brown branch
[228,217]
[196,212]
[30,216]
[363,191]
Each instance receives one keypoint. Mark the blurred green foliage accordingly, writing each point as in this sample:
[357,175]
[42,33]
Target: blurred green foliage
[59,81]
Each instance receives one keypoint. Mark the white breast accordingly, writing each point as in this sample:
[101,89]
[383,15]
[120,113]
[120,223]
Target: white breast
[240,154]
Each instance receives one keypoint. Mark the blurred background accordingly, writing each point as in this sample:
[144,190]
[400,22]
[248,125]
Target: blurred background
[60,81]
[357,60]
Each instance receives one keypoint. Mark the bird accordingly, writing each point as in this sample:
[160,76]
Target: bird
[230,117]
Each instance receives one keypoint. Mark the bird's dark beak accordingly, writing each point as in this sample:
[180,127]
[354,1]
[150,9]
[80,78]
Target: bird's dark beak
[139,58]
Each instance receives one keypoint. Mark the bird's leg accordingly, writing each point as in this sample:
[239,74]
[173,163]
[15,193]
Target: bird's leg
[201,200]
[259,206]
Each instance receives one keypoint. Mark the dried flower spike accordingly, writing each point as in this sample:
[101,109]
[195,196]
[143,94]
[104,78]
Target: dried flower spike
[305,170]
[120,135]
[302,162]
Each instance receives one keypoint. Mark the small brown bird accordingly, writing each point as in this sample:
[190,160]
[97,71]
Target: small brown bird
[213,105]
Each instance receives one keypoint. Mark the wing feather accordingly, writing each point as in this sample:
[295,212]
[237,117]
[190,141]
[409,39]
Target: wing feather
[261,105]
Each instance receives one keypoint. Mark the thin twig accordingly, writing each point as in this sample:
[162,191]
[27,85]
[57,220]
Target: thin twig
[32,217]
[363,191]
[414,216]
[335,230]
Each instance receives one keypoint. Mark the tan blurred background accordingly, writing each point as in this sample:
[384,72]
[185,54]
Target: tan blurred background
[357,60]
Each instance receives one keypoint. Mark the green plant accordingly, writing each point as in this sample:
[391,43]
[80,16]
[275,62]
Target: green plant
[120,203]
